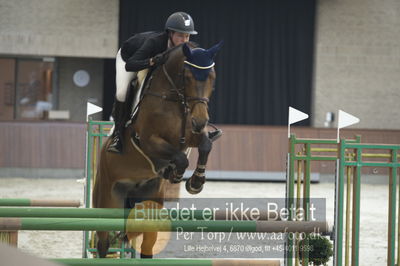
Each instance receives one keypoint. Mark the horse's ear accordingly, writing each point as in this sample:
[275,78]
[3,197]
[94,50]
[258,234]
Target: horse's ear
[187,52]
[213,50]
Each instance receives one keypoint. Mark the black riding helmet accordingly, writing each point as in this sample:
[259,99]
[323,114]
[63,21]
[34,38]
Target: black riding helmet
[180,22]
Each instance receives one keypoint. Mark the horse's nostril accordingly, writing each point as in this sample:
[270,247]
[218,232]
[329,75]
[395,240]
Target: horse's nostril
[195,125]
[198,126]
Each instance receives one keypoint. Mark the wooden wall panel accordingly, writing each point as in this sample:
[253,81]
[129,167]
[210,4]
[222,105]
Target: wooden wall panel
[42,145]
[241,148]
[264,148]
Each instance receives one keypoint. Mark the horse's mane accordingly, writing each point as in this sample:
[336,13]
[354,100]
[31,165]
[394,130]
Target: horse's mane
[192,45]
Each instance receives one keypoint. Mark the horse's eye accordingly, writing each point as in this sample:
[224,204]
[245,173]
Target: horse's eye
[188,78]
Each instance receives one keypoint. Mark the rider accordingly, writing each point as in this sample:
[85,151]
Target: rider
[143,51]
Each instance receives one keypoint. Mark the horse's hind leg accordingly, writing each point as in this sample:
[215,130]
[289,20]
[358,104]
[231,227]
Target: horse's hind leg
[195,183]
[103,243]
[149,240]
[103,199]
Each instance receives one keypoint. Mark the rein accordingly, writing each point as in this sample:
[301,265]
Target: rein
[182,99]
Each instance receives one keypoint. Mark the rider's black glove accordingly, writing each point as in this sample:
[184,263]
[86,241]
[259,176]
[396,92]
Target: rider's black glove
[159,59]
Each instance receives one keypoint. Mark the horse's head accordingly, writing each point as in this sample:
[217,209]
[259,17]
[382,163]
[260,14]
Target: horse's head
[198,82]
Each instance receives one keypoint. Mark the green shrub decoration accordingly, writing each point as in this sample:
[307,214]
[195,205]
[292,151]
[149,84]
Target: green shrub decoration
[320,249]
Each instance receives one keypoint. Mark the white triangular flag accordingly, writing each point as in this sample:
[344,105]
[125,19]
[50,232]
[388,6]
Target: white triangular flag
[294,117]
[92,109]
[345,120]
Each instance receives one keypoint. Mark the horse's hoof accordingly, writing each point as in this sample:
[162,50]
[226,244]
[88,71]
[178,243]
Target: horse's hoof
[102,248]
[171,174]
[143,256]
[168,173]
[191,189]
[176,179]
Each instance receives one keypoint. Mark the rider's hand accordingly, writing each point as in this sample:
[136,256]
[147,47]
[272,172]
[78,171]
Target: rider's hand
[158,59]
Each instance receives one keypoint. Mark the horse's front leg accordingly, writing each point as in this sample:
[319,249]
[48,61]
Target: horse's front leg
[195,183]
[158,148]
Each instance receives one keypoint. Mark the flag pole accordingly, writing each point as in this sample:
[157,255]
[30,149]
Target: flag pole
[294,117]
[345,120]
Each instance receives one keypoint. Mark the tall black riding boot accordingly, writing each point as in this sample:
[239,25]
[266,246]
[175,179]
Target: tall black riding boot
[119,126]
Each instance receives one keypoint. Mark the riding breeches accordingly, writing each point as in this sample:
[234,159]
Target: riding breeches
[123,78]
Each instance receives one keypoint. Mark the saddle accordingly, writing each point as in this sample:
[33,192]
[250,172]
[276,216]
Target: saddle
[137,89]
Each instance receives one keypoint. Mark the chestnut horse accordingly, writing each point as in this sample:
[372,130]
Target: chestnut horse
[173,116]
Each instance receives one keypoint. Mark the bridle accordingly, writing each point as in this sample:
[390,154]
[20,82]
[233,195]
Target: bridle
[181,97]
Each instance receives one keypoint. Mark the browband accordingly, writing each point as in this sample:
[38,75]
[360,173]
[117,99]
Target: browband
[199,67]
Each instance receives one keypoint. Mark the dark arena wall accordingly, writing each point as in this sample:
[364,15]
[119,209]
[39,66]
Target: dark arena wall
[265,65]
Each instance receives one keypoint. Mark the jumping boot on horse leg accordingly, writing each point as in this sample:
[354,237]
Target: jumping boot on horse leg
[195,183]
[214,135]
[119,121]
